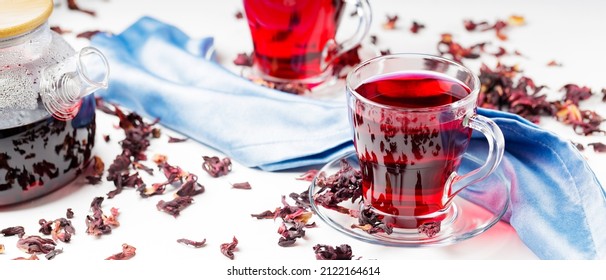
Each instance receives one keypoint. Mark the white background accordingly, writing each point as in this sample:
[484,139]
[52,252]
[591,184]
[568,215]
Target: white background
[570,32]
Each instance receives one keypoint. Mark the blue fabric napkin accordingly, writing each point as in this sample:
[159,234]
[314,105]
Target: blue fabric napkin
[558,207]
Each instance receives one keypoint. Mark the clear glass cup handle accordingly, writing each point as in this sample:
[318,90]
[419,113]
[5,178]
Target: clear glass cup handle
[496,148]
[333,50]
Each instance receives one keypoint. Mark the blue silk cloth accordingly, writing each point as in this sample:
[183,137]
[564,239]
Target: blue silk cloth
[557,206]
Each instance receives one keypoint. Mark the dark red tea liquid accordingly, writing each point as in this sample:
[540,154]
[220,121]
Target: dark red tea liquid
[406,158]
[43,155]
[290,35]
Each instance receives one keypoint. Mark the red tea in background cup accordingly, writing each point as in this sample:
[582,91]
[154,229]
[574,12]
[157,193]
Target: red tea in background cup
[412,117]
[294,40]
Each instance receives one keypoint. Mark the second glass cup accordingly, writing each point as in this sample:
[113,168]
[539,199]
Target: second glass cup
[412,116]
[294,40]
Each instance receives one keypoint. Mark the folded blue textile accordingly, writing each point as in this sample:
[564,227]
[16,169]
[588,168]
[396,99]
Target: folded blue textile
[558,207]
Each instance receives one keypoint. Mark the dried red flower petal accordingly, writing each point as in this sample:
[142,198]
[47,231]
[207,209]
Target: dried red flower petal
[106,138]
[457,52]
[69,213]
[190,187]
[416,27]
[579,146]
[350,58]
[159,159]
[35,244]
[370,222]
[553,63]
[345,184]
[32,257]
[239,15]
[244,59]
[96,224]
[128,252]
[598,147]
[575,93]
[175,206]
[327,252]
[96,172]
[216,167]
[59,30]
[309,175]
[267,214]
[72,5]
[294,221]
[197,244]
[227,249]
[62,229]
[89,34]
[176,140]
[140,166]
[604,93]
[242,186]
[430,229]
[19,231]
[391,22]
[471,25]
[373,39]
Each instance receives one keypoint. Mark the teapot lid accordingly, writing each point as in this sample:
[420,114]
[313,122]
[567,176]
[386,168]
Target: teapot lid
[21,16]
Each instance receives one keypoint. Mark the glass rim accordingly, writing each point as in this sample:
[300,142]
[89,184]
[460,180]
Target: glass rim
[473,94]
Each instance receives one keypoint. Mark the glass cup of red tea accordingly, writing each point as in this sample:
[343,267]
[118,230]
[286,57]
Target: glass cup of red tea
[294,40]
[412,117]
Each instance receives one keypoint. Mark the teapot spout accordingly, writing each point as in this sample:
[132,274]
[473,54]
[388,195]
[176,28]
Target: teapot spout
[64,84]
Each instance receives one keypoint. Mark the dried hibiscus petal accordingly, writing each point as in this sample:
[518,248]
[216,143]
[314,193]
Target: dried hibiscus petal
[391,22]
[598,147]
[190,187]
[227,249]
[19,231]
[1,249]
[128,252]
[32,257]
[309,175]
[96,224]
[242,186]
[88,34]
[175,206]
[72,5]
[327,252]
[216,167]
[457,52]
[244,59]
[59,30]
[197,244]
[430,229]
[370,222]
[176,140]
[35,244]
[416,27]
[69,213]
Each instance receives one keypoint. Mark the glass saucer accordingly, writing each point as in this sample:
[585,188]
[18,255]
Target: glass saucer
[332,87]
[474,210]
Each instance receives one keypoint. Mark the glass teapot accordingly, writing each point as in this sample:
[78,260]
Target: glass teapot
[47,111]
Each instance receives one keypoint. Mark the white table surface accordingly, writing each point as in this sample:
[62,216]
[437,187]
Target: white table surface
[565,31]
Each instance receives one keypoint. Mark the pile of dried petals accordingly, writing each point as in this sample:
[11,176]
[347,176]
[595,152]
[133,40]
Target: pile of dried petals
[294,221]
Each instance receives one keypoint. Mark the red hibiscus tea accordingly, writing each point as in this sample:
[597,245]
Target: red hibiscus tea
[289,36]
[407,156]
[412,116]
